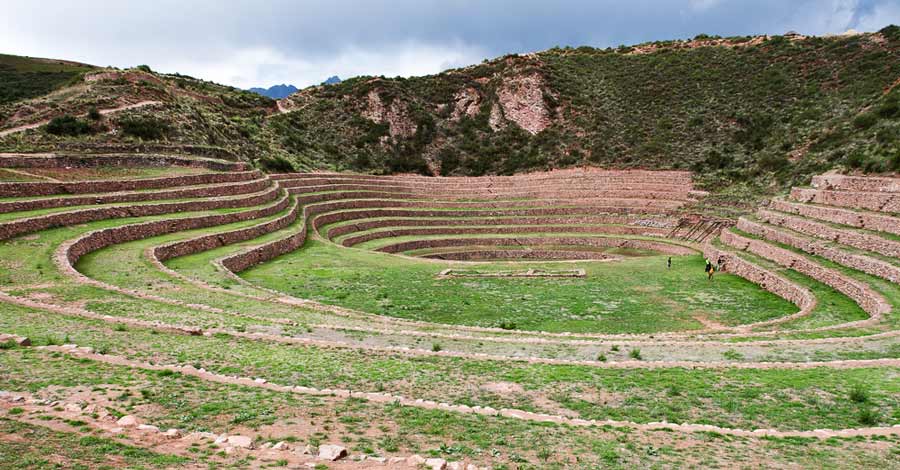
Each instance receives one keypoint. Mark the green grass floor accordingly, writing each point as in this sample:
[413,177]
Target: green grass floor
[635,295]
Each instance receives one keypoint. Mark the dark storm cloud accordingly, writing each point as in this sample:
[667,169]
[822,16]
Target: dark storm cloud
[261,42]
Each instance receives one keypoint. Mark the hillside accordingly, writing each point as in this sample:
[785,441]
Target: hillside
[733,109]
[26,77]
[751,115]
[110,109]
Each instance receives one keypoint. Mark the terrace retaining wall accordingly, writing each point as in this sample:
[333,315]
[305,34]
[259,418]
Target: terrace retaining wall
[656,224]
[501,229]
[518,254]
[862,263]
[227,189]
[873,201]
[852,238]
[35,224]
[46,188]
[866,220]
[801,297]
[600,242]
[53,160]
[112,236]
[856,183]
[870,301]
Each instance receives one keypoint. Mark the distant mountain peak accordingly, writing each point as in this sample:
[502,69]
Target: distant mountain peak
[332,80]
[276,92]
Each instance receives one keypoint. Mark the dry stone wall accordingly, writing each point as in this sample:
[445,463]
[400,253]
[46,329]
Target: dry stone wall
[536,254]
[35,224]
[863,263]
[217,240]
[873,201]
[856,183]
[112,236]
[46,188]
[505,229]
[228,189]
[866,220]
[140,159]
[799,296]
[861,240]
[870,301]
[598,242]
[656,224]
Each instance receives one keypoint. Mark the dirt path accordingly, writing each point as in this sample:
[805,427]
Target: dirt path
[407,351]
[103,112]
[380,397]
[35,411]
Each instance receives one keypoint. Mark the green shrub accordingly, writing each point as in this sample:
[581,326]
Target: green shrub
[68,125]
[144,127]
[94,114]
[859,394]
[144,68]
[865,120]
[773,162]
[276,164]
[890,108]
[635,354]
[868,417]
[436,347]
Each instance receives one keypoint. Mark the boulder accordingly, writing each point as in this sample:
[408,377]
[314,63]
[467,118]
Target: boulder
[332,452]
[436,464]
[415,460]
[172,433]
[281,445]
[243,442]
[73,407]
[147,427]
[127,421]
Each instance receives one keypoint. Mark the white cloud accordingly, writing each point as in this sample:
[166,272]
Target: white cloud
[700,5]
[880,16]
[248,67]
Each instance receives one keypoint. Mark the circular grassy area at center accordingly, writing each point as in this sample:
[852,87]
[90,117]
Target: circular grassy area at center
[634,295]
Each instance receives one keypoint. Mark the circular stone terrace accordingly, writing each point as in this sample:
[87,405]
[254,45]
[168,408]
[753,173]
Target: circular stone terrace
[232,271]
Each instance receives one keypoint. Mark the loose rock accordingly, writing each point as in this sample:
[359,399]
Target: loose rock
[332,452]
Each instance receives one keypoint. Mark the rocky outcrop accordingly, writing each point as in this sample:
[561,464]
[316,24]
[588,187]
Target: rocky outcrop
[522,100]
[395,114]
[466,102]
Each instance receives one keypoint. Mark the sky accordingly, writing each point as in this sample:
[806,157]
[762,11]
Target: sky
[248,43]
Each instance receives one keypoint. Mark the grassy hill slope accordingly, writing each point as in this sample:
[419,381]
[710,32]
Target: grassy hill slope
[25,77]
[751,115]
[734,109]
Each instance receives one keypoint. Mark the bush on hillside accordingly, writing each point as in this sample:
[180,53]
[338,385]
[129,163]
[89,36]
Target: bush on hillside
[891,107]
[865,120]
[891,32]
[68,125]
[94,114]
[144,127]
[276,164]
